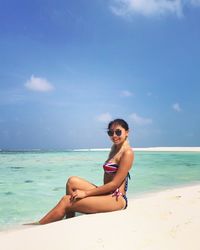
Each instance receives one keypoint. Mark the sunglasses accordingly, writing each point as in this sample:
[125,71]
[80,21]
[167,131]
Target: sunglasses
[118,132]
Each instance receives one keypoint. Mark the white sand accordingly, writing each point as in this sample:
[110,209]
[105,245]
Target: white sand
[159,221]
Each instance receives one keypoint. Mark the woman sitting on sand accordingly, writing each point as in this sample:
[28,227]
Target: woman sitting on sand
[82,196]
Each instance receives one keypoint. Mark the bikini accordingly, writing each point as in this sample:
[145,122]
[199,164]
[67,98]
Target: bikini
[111,168]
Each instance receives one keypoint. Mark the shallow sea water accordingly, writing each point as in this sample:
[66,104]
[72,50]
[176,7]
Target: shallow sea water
[32,182]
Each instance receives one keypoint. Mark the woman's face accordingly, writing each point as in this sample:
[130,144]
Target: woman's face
[117,134]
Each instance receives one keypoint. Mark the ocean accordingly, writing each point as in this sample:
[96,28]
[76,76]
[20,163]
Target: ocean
[31,183]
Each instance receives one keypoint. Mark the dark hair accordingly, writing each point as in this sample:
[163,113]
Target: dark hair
[119,122]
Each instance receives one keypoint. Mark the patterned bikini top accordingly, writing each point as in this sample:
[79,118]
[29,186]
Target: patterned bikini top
[110,167]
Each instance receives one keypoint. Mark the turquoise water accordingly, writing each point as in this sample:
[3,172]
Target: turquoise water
[32,182]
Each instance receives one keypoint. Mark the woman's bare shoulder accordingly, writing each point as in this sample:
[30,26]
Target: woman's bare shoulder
[128,152]
[127,158]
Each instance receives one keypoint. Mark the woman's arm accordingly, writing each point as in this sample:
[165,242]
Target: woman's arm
[125,164]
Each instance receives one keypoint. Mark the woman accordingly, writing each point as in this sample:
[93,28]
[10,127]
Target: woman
[82,196]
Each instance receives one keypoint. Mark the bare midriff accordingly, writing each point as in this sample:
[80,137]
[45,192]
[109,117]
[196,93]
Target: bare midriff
[108,178]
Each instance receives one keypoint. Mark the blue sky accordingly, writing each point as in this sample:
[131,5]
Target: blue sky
[68,67]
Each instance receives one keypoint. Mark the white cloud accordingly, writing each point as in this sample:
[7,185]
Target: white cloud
[176,107]
[38,84]
[126,93]
[105,117]
[139,120]
[147,7]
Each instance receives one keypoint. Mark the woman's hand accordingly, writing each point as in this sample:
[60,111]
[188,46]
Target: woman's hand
[78,194]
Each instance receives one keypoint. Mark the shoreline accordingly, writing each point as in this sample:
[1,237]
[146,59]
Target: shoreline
[166,219]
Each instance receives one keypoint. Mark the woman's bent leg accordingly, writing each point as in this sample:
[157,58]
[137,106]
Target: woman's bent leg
[74,183]
[60,210]
[93,204]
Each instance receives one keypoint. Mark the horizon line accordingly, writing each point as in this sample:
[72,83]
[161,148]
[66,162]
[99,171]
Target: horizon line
[148,149]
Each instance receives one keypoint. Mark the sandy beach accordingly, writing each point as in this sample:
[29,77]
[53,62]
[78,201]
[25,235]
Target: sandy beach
[164,220]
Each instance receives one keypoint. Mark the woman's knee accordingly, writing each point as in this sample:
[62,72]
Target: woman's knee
[72,181]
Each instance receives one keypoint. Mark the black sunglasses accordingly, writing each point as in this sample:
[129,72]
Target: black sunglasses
[118,132]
